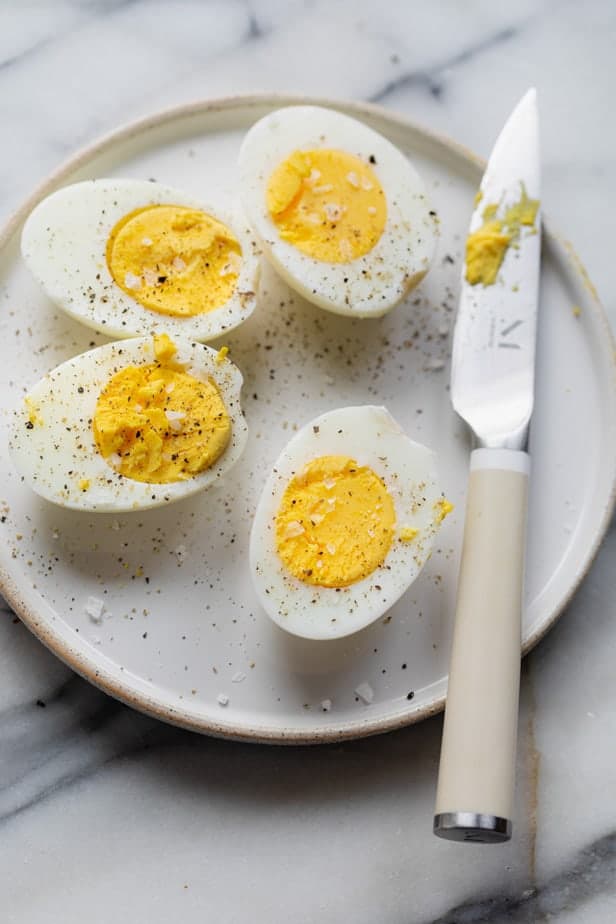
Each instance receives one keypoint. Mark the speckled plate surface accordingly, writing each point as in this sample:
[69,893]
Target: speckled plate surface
[182,624]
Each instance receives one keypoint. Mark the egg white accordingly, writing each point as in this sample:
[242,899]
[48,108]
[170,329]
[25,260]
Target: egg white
[55,455]
[64,244]
[402,255]
[371,436]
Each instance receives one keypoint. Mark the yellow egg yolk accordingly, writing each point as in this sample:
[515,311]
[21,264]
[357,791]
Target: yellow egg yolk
[442,509]
[158,424]
[34,417]
[487,246]
[336,522]
[174,260]
[327,203]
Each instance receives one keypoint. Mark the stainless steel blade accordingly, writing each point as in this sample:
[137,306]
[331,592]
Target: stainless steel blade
[492,375]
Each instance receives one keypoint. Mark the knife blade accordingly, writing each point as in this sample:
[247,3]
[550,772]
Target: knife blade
[492,389]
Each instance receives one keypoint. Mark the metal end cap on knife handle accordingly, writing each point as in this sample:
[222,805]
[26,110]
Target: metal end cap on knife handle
[472,827]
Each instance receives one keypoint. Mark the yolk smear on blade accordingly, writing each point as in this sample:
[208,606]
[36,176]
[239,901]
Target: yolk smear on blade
[442,509]
[174,260]
[336,522]
[327,203]
[158,424]
[486,247]
[485,252]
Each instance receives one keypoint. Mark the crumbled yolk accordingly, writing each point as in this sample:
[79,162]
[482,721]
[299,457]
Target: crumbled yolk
[407,534]
[327,203]
[174,260]
[221,355]
[84,484]
[336,522]
[34,418]
[164,348]
[158,424]
[442,508]
[487,246]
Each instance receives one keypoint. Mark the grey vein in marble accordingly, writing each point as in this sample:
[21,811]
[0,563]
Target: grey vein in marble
[592,871]
[432,78]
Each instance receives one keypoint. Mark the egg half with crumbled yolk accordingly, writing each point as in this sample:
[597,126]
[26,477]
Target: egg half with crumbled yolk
[133,424]
[345,523]
[340,212]
[130,257]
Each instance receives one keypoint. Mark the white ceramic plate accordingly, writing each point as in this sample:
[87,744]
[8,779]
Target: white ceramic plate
[182,622]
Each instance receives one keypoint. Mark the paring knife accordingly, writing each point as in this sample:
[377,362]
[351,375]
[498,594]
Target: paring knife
[492,387]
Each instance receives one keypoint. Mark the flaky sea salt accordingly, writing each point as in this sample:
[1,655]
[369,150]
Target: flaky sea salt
[132,282]
[326,705]
[175,419]
[346,251]
[150,277]
[94,608]
[333,212]
[222,699]
[238,677]
[365,693]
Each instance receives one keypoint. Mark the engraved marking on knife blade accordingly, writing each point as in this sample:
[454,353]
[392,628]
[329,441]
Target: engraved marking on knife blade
[512,327]
[505,333]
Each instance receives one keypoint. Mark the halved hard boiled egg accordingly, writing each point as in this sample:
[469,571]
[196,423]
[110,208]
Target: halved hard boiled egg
[345,523]
[131,257]
[131,424]
[341,213]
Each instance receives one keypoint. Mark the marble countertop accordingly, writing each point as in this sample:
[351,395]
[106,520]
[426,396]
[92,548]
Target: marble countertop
[108,815]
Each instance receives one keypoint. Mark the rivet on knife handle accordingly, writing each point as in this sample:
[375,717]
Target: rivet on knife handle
[476,778]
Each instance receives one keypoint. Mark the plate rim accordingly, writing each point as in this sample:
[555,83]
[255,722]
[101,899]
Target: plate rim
[153,707]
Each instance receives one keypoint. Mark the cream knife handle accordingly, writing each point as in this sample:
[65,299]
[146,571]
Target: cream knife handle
[476,775]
